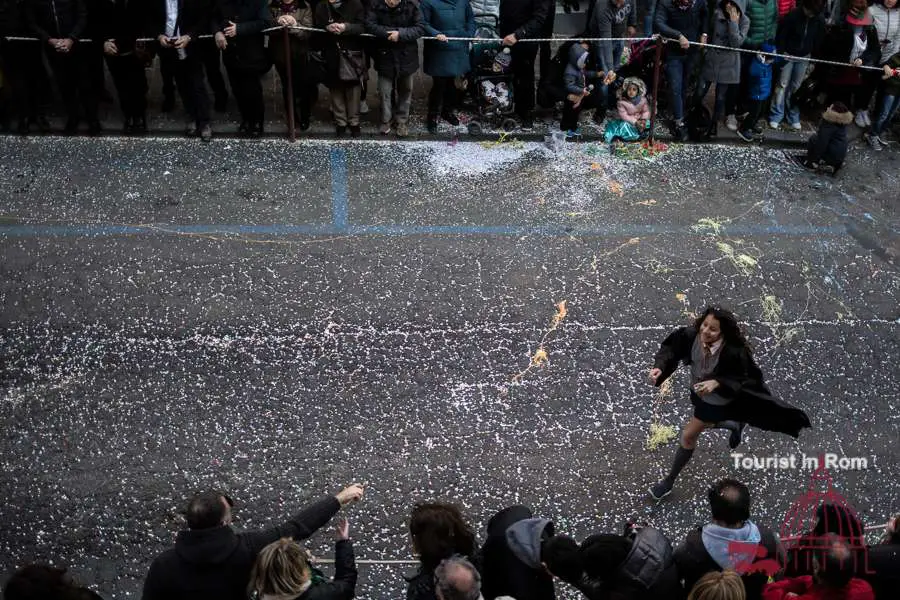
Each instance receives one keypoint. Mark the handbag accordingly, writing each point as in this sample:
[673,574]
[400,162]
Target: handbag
[351,65]
[316,66]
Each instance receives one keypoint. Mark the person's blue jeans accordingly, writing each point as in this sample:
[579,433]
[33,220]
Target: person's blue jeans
[678,70]
[887,109]
[792,74]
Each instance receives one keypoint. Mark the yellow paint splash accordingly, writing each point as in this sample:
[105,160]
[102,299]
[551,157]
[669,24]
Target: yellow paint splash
[660,434]
[709,226]
[504,139]
[743,262]
[540,357]
[616,188]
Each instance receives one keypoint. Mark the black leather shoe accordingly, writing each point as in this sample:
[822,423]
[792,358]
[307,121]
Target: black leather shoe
[450,118]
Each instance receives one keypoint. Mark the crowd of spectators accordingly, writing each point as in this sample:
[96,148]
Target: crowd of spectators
[193,38]
[522,556]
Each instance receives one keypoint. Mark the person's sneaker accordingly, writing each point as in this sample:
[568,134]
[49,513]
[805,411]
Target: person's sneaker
[432,125]
[681,133]
[774,125]
[355,131]
[340,130]
[746,135]
[661,490]
[402,130]
[734,439]
[206,133]
[797,126]
[731,123]
[860,120]
[874,142]
[757,129]
[384,128]
[363,108]
[866,119]
[450,118]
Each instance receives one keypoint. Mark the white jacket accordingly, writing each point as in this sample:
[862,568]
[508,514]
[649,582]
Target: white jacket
[887,24]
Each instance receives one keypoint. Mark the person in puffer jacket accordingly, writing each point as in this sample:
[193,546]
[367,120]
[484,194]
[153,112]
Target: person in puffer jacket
[784,7]
[759,82]
[580,92]
[828,148]
[639,565]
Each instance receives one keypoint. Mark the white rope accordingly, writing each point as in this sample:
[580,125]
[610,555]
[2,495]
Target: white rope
[817,61]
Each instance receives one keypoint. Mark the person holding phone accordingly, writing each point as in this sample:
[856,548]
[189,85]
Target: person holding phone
[727,388]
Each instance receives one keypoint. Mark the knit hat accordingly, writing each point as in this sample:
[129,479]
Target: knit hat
[859,13]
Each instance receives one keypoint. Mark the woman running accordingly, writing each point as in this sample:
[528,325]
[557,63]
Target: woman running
[727,388]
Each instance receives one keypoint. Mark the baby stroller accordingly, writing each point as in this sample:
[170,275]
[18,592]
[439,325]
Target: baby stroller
[490,81]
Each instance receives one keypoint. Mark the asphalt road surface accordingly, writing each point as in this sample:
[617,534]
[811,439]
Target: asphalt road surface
[279,320]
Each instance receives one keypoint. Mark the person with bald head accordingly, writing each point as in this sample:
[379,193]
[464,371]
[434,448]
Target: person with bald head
[457,579]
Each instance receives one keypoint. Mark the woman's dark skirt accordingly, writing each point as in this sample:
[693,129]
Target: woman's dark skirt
[709,413]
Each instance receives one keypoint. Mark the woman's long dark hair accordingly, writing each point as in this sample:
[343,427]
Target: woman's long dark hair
[439,531]
[728,324]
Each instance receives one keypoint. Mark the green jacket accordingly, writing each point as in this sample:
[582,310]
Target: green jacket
[763,16]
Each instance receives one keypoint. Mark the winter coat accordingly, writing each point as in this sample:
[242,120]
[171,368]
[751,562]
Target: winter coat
[245,51]
[299,39]
[401,58]
[216,563]
[805,589]
[353,15]
[124,21]
[607,21]
[576,79]
[647,573]
[453,18]
[671,22]
[763,15]
[799,35]
[724,66]
[739,379]
[884,562]
[830,142]
[759,76]
[194,18]
[629,111]
[57,18]
[838,46]
[343,586]
[511,558]
[785,7]
[10,19]
[887,25]
[892,84]
[694,561]
[525,18]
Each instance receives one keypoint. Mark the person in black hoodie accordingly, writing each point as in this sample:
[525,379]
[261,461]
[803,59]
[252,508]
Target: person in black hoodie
[59,24]
[43,582]
[639,565]
[238,26]
[730,541]
[211,560]
[884,562]
[512,557]
[177,32]
[438,531]
[124,22]
[283,572]
[521,19]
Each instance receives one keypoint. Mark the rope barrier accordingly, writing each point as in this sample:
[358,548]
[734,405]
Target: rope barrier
[788,57]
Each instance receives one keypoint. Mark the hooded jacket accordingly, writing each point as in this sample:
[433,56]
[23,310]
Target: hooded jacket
[575,77]
[525,18]
[215,564]
[632,111]
[607,21]
[705,550]
[647,573]
[511,556]
[724,66]
[453,18]
[887,25]
[343,586]
[400,58]
[673,22]
[759,75]
[800,35]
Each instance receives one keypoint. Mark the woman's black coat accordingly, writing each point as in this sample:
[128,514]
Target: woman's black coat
[739,379]
[246,50]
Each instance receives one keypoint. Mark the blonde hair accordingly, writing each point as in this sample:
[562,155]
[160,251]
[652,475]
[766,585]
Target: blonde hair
[281,569]
[719,585]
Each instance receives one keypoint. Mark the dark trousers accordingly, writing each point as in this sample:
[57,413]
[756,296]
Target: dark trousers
[209,58]
[305,92]
[442,96]
[188,75]
[93,56]
[523,57]
[72,74]
[570,113]
[131,84]
[754,111]
[26,85]
[870,83]
[246,85]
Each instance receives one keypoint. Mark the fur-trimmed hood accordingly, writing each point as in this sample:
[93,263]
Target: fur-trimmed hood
[635,81]
[838,118]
